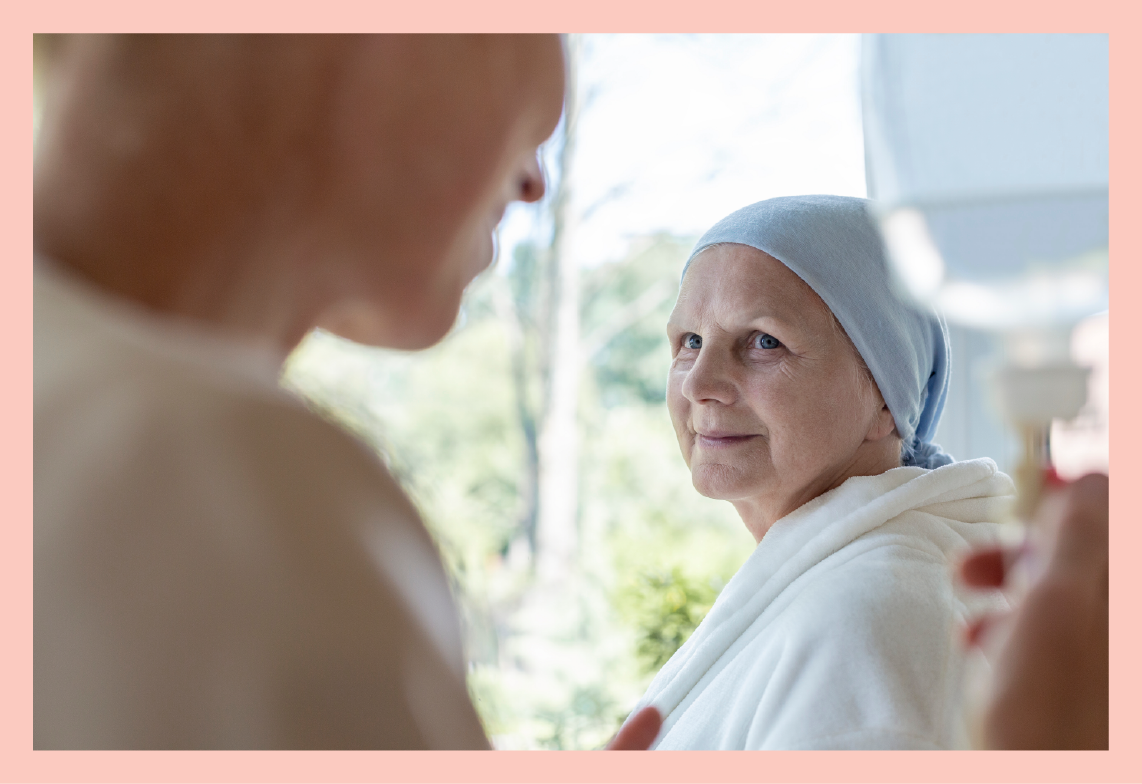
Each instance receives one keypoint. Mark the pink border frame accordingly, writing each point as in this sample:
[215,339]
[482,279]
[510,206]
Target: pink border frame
[17,760]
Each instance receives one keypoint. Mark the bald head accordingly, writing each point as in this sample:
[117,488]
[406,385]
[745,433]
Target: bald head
[270,183]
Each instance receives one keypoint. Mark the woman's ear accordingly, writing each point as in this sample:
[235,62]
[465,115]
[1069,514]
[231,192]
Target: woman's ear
[882,426]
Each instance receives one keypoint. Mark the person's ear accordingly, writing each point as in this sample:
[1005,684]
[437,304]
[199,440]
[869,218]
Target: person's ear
[882,426]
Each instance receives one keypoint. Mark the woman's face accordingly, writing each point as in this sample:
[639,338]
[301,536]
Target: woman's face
[769,401]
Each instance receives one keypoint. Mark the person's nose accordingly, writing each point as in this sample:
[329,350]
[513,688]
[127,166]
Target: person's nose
[710,379]
[531,184]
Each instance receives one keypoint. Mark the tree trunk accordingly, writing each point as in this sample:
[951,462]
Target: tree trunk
[557,520]
[517,323]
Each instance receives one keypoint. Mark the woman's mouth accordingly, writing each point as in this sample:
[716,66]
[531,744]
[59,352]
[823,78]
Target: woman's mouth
[718,440]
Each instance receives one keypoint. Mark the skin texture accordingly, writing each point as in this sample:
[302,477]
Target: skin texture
[1051,685]
[269,184]
[768,429]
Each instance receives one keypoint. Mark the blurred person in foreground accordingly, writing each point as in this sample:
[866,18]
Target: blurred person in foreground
[806,393]
[1049,686]
[215,566]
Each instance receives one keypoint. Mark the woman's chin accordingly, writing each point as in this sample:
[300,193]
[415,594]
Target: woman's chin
[722,483]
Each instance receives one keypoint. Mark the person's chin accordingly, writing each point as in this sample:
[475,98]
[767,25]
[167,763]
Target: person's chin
[481,257]
[720,482]
[374,326]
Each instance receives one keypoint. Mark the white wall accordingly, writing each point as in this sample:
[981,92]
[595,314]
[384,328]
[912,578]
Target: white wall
[970,426]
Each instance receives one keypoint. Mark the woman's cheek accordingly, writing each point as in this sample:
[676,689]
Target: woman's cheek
[679,409]
[674,381]
[771,395]
[787,386]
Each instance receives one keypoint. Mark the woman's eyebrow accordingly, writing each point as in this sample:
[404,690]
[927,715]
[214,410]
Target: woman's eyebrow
[768,315]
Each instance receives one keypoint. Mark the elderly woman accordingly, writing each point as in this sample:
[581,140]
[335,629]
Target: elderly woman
[803,391]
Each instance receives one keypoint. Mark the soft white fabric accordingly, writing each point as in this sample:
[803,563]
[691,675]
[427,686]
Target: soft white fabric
[215,566]
[839,631]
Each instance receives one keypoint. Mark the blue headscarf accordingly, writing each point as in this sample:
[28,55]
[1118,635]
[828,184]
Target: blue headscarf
[833,245]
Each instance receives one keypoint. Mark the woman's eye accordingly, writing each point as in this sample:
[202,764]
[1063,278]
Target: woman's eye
[766,341]
[692,341]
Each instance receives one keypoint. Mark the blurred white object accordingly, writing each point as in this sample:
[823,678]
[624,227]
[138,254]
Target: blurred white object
[990,156]
[1082,445]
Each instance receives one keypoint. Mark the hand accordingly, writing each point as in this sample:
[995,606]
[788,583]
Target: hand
[1051,678]
[638,732]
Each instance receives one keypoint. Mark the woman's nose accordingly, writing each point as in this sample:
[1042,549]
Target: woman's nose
[710,379]
[531,185]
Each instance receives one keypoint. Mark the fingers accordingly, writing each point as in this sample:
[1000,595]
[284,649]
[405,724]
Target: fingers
[1076,517]
[639,731]
[1051,677]
[984,568]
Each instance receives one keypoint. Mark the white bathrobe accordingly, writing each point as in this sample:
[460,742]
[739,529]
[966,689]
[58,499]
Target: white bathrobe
[840,630]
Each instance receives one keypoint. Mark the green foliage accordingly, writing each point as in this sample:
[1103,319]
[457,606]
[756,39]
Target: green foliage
[665,607]
[631,367]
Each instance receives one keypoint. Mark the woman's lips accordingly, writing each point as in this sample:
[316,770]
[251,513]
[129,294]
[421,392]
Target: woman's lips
[721,440]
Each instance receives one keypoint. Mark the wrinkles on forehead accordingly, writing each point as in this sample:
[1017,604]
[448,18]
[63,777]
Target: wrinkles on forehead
[735,285]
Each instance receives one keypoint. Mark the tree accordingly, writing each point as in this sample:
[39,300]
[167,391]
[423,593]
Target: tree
[557,508]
